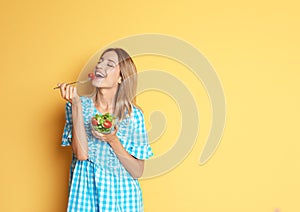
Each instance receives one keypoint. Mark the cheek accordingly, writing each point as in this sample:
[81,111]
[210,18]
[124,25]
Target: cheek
[115,74]
[97,82]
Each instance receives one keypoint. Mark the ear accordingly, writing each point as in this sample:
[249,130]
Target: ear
[120,80]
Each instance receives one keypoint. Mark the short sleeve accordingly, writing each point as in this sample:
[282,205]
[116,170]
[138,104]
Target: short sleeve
[139,146]
[67,133]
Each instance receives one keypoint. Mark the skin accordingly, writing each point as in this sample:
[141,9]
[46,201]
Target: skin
[106,90]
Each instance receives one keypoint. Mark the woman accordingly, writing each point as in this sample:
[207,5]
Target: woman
[105,167]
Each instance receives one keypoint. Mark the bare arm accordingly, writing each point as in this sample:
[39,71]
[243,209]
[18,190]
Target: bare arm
[79,138]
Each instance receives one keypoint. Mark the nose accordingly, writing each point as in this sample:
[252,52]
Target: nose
[99,65]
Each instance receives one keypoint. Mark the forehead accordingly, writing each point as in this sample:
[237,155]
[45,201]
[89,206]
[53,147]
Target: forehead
[111,55]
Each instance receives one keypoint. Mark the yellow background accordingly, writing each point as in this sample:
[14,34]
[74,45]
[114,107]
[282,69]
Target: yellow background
[254,48]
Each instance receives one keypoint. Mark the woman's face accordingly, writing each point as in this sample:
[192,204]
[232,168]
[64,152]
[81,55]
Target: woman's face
[107,71]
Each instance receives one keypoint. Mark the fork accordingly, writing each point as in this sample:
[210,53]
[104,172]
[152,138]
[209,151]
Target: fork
[75,82]
[91,76]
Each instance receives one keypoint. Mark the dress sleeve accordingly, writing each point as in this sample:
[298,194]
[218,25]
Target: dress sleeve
[67,133]
[139,146]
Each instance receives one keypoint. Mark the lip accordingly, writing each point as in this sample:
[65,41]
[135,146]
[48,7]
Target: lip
[99,74]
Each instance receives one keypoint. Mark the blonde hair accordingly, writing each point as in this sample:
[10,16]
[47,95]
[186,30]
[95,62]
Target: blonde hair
[125,96]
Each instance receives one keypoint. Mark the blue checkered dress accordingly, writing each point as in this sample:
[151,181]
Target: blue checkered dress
[101,183]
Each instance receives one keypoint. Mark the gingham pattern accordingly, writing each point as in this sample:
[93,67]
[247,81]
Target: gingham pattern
[101,183]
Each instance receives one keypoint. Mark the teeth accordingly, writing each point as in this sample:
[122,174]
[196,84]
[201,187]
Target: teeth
[99,74]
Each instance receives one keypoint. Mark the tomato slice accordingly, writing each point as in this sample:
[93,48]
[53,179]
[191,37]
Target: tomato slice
[107,124]
[91,76]
[94,122]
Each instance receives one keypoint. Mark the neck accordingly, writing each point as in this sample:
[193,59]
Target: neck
[105,99]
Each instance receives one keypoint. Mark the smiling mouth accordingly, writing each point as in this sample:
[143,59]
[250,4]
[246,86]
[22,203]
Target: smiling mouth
[100,74]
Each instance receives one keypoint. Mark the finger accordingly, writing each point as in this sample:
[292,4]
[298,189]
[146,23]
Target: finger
[75,96]
[102,137]
[96,134]
[63,90]
[75,92]
[71,93]
[68,87]
[93,133]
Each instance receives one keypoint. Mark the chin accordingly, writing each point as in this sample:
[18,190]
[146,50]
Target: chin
[97,83]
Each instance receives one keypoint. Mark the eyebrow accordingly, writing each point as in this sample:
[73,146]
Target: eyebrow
[109,60]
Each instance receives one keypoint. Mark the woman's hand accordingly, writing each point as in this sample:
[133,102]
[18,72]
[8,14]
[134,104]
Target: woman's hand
[68,93]
[110,138]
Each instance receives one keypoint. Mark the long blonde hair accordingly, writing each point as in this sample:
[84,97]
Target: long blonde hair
[125,96]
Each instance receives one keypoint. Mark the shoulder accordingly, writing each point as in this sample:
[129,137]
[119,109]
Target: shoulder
[137,110]
[137,113]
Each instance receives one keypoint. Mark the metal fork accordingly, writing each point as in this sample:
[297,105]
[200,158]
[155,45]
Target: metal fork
[75,82]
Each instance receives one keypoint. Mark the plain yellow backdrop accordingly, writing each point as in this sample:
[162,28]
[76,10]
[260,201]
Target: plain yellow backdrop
[254,48]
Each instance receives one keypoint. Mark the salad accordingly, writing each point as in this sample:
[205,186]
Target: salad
[103,123]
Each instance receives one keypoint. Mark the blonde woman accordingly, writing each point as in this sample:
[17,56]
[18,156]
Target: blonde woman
[105,167]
